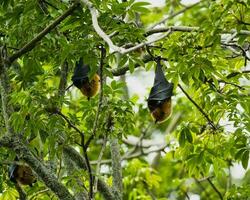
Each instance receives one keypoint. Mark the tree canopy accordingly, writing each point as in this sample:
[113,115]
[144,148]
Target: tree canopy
[109,147]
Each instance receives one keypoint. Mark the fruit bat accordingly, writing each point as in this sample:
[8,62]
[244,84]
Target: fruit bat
[21,174]
[80,79]
[159,101]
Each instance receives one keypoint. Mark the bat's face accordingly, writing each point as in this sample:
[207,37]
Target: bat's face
[21,174]
[153,104]
[162,112]
[25,175]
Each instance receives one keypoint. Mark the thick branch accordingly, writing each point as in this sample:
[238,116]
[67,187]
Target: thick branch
[45,175]
[107,39]
[4,88]
[116,167]
[98,29]
[29,46]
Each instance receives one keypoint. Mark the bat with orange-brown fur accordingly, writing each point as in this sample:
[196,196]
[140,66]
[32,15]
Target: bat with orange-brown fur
[89,88]
[21,174]
[159,100]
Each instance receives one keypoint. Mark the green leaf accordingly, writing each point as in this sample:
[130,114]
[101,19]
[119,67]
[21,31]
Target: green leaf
[244,159]
[131,66]
[182,138]
[239,154]
[189,135]
[139,7]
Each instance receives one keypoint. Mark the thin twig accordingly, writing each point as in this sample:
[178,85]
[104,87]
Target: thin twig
[198,107]
[99,162]
[38,193]
[122,70]
[30,45]
[215,188]
[103,54]
[91,178]
[69,87]
[174,15]
[22,194]
[233,84]
[135,155]
[63,79]
[189,29]
[155,39]
[198,182]
[69,122]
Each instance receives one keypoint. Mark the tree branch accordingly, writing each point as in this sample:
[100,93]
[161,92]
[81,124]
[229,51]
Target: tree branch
[99,31]
[99,162]
[69,122]
[22,194]
[106,38]
[188,29]
[63,79]
[102,187]
[91,177]
[4,88]
[155,39]
[103,55]
[215,189]
[30,45]
[116,167]
[122,70]
[174,15]
[135,155]
[45,175]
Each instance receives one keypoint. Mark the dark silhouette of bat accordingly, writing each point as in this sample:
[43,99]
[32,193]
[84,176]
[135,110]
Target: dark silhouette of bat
[89,88]
[159,101]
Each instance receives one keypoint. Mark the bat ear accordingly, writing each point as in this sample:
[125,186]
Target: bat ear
[80,73]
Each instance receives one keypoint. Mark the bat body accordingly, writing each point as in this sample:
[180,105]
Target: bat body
[80,79]
[91,88]
[159,101]
[21,174]
[162,111]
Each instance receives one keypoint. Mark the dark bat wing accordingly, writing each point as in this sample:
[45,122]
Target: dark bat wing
[161,89]
[12,170]
[80,74]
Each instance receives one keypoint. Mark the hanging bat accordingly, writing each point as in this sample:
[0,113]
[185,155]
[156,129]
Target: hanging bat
[21,174]
[89,88]
[159,101]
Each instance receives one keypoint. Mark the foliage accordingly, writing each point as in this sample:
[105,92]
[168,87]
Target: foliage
[206,54]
